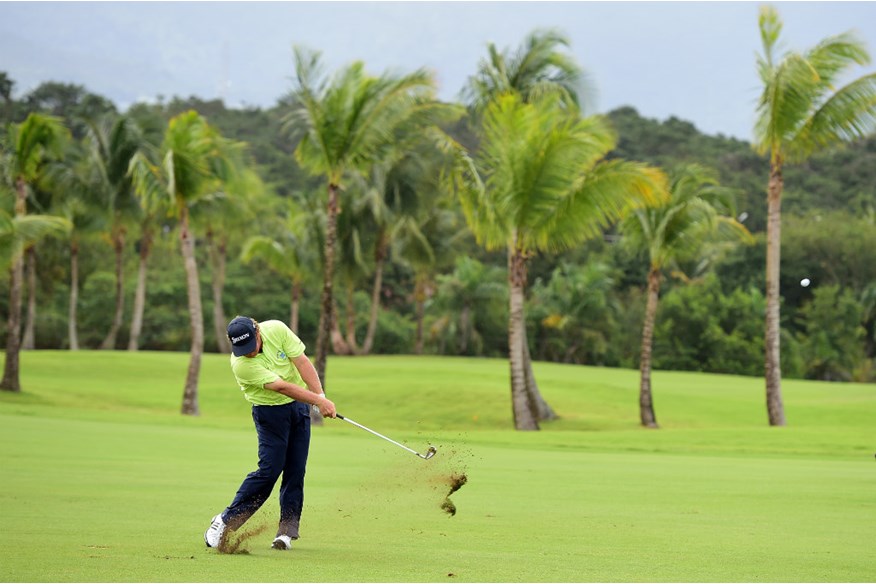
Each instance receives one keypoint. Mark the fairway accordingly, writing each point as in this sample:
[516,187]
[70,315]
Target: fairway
[102,479]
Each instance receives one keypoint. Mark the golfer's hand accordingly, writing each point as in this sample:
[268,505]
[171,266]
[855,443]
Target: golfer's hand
[327,407]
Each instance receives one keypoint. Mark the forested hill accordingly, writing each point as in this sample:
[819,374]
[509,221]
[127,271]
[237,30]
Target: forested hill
[843,179]
[840,180]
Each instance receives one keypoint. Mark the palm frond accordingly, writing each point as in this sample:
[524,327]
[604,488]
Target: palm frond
[609,190]
[537,69]
[148,183]
[31,229]
[679,226]
[849,114]
[799,110]
[270,251]
[37,138]
[770,29]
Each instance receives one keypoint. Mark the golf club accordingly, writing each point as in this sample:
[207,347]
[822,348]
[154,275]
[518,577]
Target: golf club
[429,453]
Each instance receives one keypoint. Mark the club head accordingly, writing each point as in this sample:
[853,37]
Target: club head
[429,453]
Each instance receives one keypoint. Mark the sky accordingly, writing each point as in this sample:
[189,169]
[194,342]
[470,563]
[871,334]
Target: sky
[691,60]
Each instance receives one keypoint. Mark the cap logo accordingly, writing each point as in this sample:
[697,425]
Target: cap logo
[240,338]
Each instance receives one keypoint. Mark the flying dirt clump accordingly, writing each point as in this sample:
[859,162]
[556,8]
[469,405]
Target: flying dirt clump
[456,481]
[232,542]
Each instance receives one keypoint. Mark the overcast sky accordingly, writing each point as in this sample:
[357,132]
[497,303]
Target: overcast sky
[692,60]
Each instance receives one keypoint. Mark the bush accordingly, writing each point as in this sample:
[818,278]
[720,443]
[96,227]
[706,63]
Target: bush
[700,329]
[832,344]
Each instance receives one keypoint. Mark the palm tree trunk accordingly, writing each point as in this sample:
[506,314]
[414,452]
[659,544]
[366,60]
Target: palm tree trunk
[72,320]
[524,415]
[28,342]
[190,394]
[775,409]
[420,303]
[11,368]
[327,300]
[379,260]
[351,322]
[339,344]
[464,328]
[218,253]
[544,412]
[109,342]
[646,404]
[294,305]
[140,293]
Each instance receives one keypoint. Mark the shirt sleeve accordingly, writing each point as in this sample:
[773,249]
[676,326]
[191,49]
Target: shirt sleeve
[292,345]
[250,373]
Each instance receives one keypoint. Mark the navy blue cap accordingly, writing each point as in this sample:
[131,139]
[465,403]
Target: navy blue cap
[242,334]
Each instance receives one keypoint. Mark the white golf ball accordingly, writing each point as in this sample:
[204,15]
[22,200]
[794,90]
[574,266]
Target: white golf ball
[805,282]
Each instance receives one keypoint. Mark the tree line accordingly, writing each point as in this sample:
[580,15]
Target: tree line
[512,224]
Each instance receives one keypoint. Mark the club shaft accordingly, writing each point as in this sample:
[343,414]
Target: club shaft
[378,434]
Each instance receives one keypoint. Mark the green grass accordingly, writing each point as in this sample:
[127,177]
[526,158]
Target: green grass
[103,480]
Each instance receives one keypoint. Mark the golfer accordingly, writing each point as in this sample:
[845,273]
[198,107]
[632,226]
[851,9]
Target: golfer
[274,374]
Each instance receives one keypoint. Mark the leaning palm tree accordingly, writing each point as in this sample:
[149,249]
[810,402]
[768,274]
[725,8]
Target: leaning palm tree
[28,147]
[348,121]
[800,112]
[697,210]
[547,188]
[195,161]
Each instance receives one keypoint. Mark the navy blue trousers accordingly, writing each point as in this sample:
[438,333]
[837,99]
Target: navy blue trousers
[284,441]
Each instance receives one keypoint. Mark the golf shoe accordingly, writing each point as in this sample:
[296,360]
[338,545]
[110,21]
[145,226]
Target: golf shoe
[213,535]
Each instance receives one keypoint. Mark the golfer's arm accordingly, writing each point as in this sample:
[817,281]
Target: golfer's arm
[308,373]
[296,392]
[312,394]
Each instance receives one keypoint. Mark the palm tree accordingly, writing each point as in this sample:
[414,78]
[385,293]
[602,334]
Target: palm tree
[347,122]
[222,215]
[144,250]
[800,112]
[428,240]
[409,179]
[547,188]
[428,244]
[356,233]
[697,210]
[76,200]
[17,233]
[538,68]
[110,143]
[290,254]
[195,161]
[30,145]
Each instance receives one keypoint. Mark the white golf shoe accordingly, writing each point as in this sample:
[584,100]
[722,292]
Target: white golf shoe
[213,535]
[282,542]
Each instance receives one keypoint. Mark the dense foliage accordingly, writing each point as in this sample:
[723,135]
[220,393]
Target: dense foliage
[585,305]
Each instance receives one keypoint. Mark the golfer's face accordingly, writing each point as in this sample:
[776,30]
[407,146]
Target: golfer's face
[258,345]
